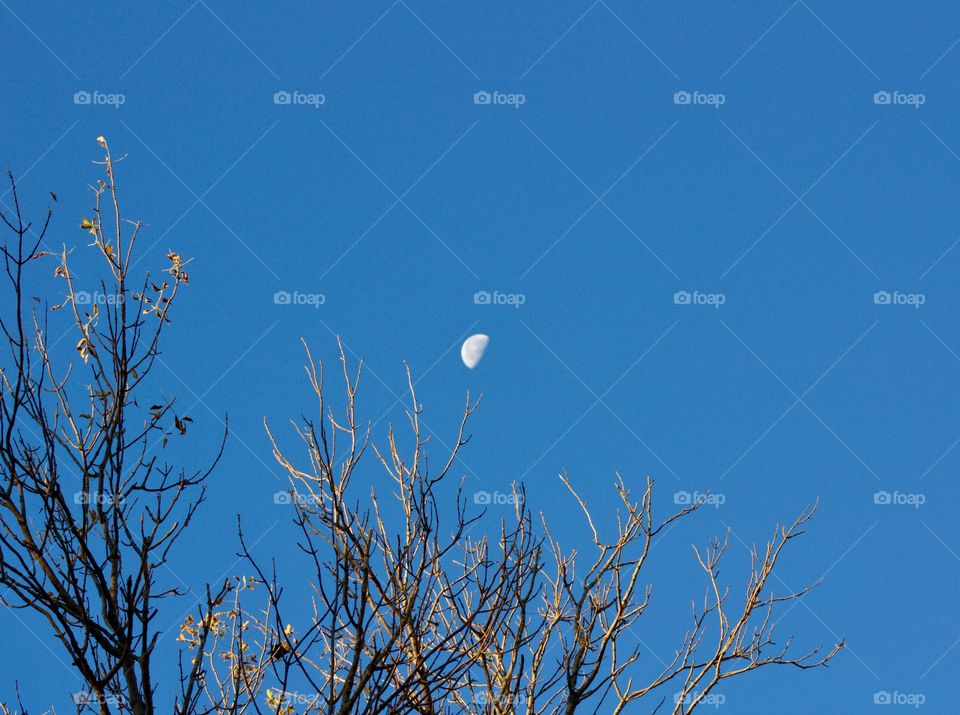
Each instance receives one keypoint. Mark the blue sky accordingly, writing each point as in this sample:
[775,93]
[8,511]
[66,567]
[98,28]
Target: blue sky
[732,225]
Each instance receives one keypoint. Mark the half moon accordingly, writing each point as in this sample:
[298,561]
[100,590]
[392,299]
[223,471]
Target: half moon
[473,348]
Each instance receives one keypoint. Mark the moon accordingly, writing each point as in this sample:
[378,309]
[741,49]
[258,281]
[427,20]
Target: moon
[473,348]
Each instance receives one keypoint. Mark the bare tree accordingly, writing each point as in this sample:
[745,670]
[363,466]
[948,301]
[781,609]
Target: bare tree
[411,613]
[415,605]
[89,511]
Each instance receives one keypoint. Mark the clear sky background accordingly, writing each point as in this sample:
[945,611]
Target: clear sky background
[597,200]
